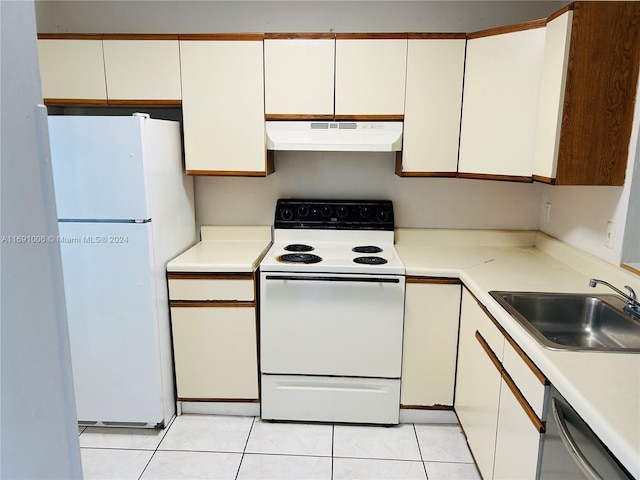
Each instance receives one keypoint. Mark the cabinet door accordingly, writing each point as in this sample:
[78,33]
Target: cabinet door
[478,383]
[429,348]
[298,75]
[500,104]
[223,106]
[552,87]
[435,69]
[517,441]
[370,75]
[142,69]
[215,352]
[72,69]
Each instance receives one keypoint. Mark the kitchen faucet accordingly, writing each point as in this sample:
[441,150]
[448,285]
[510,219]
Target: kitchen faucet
[632,307]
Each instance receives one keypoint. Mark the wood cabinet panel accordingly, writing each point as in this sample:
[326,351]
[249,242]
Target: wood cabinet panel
[72,69]
[500,103]
[299,76]
[370,76]
[435,69]
[223,107]
[429,347]
[142,69]
[215,352]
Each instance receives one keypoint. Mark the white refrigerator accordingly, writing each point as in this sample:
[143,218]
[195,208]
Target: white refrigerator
[125,208]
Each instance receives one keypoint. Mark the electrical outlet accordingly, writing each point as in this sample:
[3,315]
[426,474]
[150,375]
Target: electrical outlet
[546,212]
[610,235]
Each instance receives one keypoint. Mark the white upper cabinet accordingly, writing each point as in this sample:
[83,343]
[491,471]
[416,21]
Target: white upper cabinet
[72,69]
[223,105]
[552,87]
[142,69]
[500,103]
[299,75]
[435,70]
[370,74]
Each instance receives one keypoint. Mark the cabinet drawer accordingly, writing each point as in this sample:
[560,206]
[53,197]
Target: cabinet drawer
[529,380]
[206,289]
[216,354]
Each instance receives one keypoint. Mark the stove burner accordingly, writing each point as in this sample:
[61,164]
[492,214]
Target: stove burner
[299,258]
[366,249]
[370,260]
[298,247]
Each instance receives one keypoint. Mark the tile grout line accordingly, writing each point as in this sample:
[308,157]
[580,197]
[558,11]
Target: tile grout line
[415,432]
[253,422]
[333,437]
[166,430]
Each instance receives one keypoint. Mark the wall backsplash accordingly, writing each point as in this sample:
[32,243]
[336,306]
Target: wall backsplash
[418,202]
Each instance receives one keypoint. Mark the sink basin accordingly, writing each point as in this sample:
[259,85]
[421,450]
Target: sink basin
[567,321]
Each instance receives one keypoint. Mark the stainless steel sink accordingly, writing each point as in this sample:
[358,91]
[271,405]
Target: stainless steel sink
[567,321]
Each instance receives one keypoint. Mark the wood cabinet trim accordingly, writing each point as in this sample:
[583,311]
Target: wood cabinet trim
[630,268]
[300,36]
[541,179]
[400,173]
[562,11]
[532,366]
[433,280]
[240,37]
[487,349]
[428,407]
[210,276]
[370,118]
[69,36]
[297,117]
[75,102]
[519,27]
[436,36]
[500,178]
[211,304]
[528,410]
[371,36]
[140,36]
[144,103]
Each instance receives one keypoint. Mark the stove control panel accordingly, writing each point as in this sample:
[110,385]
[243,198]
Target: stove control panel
[334,214]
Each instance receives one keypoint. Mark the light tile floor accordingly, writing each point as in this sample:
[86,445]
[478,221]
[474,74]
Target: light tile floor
[243,448]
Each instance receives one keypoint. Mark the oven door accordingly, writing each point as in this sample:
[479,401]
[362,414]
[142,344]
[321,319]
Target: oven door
[331,324]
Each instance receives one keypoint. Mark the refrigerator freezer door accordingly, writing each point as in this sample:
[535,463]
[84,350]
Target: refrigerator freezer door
[93,157]
[113,330]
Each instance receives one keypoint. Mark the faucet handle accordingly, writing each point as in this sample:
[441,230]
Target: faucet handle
[632,294]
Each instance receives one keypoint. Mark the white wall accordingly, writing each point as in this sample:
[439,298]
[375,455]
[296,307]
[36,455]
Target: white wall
[418,202]
[39,434]
[579,215]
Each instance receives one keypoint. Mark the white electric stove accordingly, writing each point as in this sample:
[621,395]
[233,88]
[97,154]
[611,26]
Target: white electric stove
[331,313]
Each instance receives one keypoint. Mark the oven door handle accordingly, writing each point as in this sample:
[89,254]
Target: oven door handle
[333,279]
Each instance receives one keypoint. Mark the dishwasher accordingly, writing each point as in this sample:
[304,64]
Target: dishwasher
[571,450]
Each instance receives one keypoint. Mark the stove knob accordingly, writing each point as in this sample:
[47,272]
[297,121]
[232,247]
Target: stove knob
[342,212]
[382,216]
[286,214]
[326,211]
[365,212]
[303,210]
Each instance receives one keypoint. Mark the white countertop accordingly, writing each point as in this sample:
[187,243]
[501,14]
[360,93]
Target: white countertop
[604,388]
[225,249]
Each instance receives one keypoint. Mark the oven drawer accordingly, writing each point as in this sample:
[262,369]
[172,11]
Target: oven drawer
[345,325]
[330,399]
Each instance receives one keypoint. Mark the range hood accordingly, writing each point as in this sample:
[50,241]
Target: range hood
[334,136]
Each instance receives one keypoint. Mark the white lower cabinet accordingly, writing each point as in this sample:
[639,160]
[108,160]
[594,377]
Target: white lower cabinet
[517,440]
[502,424]
[215,352]
[429,348]
[215,340]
